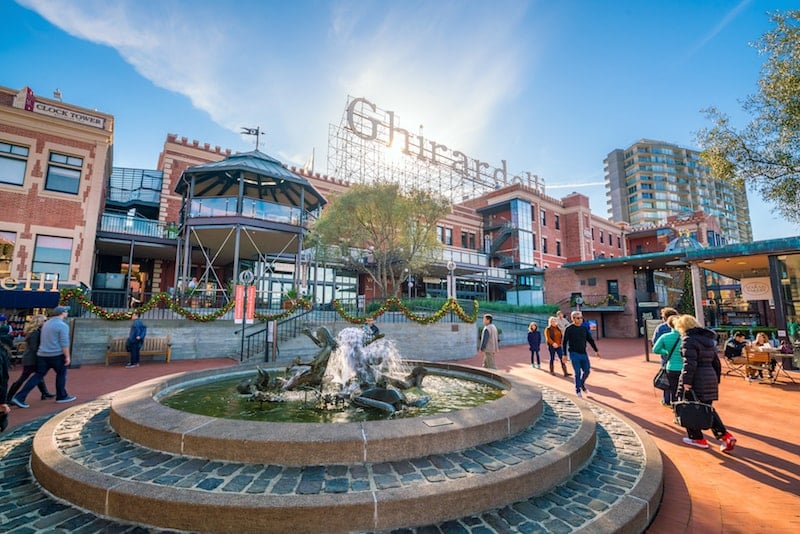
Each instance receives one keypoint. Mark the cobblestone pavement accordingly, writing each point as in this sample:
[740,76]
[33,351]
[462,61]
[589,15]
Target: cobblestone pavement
[86,437]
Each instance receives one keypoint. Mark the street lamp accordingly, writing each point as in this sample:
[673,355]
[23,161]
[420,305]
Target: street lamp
[451,280]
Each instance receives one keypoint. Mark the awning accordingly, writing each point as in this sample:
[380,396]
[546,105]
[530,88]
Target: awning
[21,299]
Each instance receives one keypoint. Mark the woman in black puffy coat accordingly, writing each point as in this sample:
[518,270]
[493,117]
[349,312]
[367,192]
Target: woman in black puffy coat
[700,374]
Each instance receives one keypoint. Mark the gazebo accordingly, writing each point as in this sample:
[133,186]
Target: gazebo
[246,208]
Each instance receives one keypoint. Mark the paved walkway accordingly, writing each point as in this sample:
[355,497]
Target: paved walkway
[756,489]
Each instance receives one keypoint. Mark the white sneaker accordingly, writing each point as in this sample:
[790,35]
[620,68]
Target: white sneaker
[579,394]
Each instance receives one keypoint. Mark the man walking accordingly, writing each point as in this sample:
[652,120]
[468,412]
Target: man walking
[53,354]
[135,339]
[490,343]
[575,339]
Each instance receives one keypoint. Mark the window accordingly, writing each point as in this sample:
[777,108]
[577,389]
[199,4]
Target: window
[557,222]
[619,242]
[52,256]
[558,248]
[440,233]
[601,237]
[13,159]
[448,236]
[544,245]
[471,241]
[64,173]
[7,242]
[544,217]
[534,241]
[464,240]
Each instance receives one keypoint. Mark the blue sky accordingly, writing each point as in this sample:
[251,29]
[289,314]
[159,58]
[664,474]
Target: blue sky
[550,86]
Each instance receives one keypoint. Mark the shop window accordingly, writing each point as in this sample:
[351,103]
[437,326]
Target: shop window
[64,173]
[7,242]
[13,159]
[52,256]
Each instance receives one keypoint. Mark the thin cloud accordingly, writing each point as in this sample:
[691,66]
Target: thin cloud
[409,58]
[726,20]
[576,185]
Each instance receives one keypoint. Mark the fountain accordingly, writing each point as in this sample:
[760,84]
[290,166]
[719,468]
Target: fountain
[352,378]
[131,458]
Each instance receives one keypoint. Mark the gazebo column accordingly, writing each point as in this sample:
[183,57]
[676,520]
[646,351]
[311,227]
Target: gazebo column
[697,294]
[238,237]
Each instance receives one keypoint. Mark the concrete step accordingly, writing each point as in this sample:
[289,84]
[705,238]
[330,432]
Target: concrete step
[615,486]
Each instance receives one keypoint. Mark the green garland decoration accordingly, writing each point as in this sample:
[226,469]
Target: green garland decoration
[608,300]
[395,303]
[168,302]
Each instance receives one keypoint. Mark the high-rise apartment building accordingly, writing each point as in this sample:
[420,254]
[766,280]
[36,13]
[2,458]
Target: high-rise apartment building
[652,180]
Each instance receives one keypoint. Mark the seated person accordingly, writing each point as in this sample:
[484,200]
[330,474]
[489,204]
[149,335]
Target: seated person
[761,343]
[786,346]
[735,346]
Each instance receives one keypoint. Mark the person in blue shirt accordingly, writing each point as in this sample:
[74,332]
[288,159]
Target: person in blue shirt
[135,339]
[53,353]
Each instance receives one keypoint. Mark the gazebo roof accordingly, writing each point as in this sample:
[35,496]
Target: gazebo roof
[264,177]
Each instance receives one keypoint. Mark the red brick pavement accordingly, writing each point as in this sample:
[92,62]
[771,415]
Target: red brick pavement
[755,489]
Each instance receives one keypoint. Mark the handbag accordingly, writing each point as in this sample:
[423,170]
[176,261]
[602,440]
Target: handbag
[661,381]
[693,413]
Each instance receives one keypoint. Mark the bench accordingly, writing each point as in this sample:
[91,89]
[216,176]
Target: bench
[153,346]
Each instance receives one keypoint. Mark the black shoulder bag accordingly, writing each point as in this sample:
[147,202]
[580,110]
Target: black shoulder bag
[661,381]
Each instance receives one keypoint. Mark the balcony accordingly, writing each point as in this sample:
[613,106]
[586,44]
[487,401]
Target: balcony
[120,223]
[251,208]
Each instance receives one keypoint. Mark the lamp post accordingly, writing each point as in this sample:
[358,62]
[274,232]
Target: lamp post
[451,280]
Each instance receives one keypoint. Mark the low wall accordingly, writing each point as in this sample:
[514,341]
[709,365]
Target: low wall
[218,339]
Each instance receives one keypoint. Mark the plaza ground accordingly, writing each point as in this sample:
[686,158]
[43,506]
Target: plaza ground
[754,489]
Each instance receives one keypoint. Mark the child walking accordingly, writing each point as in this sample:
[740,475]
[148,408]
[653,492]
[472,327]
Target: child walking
[534,341]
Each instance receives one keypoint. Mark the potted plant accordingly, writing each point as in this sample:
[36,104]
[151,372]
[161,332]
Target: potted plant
[290,298]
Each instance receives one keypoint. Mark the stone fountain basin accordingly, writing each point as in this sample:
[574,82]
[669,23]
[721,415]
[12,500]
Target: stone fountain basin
[137,415]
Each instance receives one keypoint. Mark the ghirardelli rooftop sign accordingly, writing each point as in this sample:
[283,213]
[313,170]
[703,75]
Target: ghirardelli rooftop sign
[370,123]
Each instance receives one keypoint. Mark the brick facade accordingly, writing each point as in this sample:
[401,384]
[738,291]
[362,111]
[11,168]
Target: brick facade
[30,210]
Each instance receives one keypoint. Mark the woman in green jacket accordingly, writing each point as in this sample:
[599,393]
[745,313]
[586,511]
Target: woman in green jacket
[669,347]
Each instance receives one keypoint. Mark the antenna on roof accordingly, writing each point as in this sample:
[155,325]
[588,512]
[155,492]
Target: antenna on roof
[253,131]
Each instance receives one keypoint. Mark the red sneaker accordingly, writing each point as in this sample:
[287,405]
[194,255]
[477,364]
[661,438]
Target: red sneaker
[728,443]
[699,443]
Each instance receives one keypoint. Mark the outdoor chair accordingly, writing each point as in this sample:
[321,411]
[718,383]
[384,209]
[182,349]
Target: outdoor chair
[736,366]
[758,364]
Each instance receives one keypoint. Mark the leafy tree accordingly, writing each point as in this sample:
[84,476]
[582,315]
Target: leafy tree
[380,230]
[765,154]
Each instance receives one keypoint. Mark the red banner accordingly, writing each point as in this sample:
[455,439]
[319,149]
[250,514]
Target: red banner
[251,306]
[238,305]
